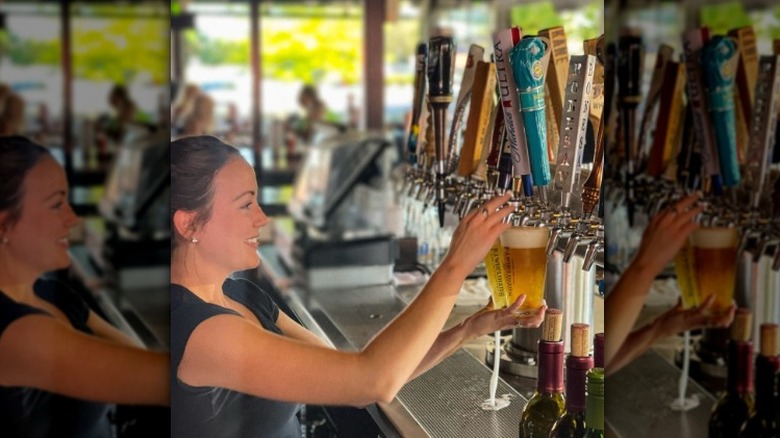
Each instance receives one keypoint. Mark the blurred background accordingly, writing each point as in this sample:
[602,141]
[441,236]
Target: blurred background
[90,81]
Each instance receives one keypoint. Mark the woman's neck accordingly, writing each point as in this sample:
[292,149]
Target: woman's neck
[204,283]
[17,282]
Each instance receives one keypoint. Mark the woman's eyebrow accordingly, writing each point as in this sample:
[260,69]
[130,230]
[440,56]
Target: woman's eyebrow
[55,193]
[248,192]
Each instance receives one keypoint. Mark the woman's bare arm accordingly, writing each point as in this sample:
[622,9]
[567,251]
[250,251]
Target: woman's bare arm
[40,352]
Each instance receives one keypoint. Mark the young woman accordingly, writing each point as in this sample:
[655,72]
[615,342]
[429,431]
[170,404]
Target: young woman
[60,363]
[239,367]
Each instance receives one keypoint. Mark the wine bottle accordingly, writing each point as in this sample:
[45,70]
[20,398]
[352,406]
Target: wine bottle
[594,405]
[572,423]
[547,403]
[734,407]
[598,350]
[764,422]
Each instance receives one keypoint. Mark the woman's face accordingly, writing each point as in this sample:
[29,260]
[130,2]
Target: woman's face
[229,239]
[38,241]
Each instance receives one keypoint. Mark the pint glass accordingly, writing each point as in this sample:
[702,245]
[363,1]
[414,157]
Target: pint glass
[715,257]
[495,275]
[525,265]
[685,268]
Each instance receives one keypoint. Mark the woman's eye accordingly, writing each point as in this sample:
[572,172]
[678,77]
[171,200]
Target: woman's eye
[246,206]
[57,206]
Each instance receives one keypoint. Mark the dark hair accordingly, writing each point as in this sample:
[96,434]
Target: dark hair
[194,163]
[17,156]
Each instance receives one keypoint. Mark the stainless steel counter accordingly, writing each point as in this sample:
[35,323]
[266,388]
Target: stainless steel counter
[638,399]
[142,313]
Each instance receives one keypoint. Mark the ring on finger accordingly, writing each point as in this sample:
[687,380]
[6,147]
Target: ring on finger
[485,212]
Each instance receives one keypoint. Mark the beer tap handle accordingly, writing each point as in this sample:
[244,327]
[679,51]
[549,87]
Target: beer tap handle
[505,40]
[481,107]
[776,259]
[592,187]
[574,130]
[462,102]
[744,85]
[417,103]
[744,240]
[590,254]
[527,59]
[505,168]
[764,124]
[693,42]
[555,84]
[571,247]
[663,58]
[668,131]
[441,66]
[719,58]
[630,55]
[555,235]
[761,244]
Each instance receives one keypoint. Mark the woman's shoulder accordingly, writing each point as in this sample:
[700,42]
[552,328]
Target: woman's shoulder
[11,311]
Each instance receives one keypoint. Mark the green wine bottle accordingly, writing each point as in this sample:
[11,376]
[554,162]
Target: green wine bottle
[594,405]
[547,403]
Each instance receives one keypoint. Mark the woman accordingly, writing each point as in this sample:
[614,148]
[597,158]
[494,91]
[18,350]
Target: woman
[239,366]
[663,238]
[60,363]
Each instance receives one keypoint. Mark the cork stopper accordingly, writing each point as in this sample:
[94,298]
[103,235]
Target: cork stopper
[740,328]
[551,328]
[580,340]
[769,346]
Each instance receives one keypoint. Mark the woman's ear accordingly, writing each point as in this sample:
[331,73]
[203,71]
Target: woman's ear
[184,222]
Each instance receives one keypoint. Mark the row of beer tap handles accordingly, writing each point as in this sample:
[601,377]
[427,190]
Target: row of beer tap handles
[721,142]
[532,104]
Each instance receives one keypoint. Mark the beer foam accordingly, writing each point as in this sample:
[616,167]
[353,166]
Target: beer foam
[525,237]
[499,403]
[715,238]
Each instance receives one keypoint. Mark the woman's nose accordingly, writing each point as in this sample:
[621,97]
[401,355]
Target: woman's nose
[71,220]
[260,218]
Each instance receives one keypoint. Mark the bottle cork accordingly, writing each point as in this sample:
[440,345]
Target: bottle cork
[740,328]
[769,340]
[551,328]
[580,340]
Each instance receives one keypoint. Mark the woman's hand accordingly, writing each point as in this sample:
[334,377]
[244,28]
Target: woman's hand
[667,232]
[475,234]
[489,320]
[678,320]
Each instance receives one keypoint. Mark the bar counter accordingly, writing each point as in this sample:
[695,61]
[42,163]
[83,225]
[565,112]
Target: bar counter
[443,402]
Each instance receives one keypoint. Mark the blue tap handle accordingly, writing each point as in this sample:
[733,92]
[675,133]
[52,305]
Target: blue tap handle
[526,59]
[719,72]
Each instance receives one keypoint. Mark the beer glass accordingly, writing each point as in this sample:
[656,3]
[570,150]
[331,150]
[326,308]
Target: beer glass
[493,262]
[685,268]
[525,265]
[715,259]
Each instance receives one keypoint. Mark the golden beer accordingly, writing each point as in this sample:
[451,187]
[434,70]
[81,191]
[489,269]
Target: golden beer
[495,275]
[715,255]
[525,265]
[685,267]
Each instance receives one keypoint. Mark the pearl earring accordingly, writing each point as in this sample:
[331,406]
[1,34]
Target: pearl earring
[5,240]
[194,239]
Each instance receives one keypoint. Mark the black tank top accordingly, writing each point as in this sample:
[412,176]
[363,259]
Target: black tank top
[212,412]
[29,412]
